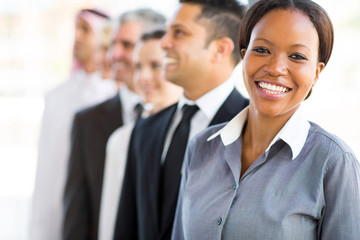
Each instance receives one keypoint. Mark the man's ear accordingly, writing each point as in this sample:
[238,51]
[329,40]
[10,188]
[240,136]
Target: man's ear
[243,52]
[223,48]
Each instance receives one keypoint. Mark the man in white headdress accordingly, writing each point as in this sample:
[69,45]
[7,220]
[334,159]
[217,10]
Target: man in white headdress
[85,87]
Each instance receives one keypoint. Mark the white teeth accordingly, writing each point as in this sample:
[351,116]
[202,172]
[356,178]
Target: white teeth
[169,60]
[273,89]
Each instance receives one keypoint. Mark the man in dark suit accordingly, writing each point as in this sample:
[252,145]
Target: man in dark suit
[201,53]
[93,126]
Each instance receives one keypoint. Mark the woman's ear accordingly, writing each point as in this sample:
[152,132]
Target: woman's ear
[242,52]
[320,66]
[223,48]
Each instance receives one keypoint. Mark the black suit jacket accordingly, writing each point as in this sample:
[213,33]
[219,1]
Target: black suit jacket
[138,213]
[91,130]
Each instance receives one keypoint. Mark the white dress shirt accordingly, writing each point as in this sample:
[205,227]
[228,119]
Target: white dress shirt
[129,100]
[115,161]
[208,105]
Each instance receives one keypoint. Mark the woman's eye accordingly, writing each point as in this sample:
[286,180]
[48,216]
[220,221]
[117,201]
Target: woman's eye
[261,50]
[298,56]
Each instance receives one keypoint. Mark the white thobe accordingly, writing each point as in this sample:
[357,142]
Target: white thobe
[82,90]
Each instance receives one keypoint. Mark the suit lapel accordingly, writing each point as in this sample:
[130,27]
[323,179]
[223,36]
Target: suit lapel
[111,115]
[106,117]
[234,103]
[232,106]
[152,148]
[160,128]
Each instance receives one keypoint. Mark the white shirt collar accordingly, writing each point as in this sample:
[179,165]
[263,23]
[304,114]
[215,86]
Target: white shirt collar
[129,98]
[210,102]
[294,132]
[128,101]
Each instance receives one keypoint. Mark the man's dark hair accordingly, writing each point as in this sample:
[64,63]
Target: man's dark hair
[155,34]
[221,18]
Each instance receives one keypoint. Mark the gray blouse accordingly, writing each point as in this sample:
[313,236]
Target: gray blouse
[306,185]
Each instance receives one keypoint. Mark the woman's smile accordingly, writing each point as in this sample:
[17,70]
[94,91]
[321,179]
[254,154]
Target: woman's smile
[271,90]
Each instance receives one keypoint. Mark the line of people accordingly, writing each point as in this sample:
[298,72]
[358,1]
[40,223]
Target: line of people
[253,169]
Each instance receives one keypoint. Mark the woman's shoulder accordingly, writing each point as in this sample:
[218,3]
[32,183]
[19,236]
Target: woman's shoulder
[331,149]
[326,140]
[209,132]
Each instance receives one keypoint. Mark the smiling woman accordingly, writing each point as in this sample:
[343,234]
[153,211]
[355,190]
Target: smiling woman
[281,64]
[273,175]
[35,56]
[148,59]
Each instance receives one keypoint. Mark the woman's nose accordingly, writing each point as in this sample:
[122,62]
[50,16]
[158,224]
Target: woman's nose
[145,75]
[276,65]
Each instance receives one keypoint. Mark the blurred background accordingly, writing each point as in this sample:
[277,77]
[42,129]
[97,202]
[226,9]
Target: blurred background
[36,38]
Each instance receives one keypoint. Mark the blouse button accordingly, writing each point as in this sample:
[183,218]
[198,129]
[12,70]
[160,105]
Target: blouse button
[234,186]
[219,221]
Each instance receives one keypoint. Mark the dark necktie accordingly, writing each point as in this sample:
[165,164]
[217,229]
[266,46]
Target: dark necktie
[138,109]
[171,170]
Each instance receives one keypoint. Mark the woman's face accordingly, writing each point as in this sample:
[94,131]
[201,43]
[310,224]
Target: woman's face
[281,65]
[148,59]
